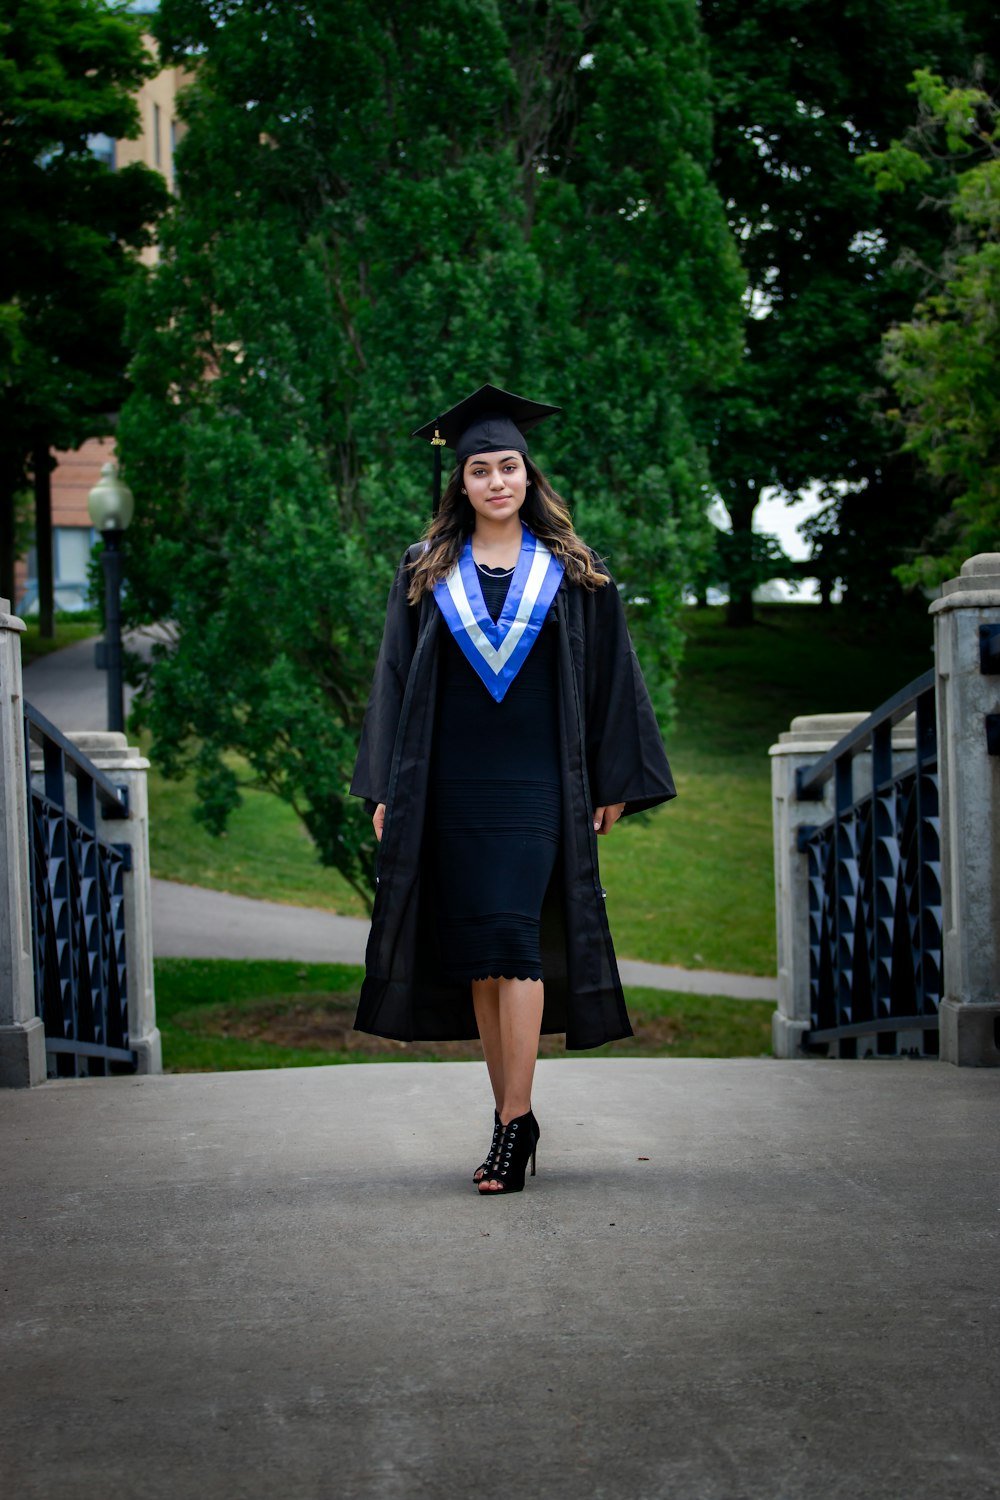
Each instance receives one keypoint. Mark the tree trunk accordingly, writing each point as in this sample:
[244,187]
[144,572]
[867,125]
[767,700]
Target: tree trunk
[42,466]
[739,610]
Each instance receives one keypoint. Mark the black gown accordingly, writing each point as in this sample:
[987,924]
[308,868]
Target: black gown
[609,751]
[495,805]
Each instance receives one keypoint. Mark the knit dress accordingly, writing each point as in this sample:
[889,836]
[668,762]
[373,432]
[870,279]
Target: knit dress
[495,805]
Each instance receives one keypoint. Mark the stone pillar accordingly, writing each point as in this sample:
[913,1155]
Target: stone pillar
[809,737]
[124,765]
[22,1035]
[970,815]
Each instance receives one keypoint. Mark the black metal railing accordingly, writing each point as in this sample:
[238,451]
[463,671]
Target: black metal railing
[77,908]
[875,948]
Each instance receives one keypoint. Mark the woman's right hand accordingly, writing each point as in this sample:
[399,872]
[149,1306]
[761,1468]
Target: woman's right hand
[378,818]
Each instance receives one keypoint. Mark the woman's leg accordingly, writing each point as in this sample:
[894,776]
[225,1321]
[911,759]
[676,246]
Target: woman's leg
[520,1024]
[521,1002]
[486,1002]
[509,1017]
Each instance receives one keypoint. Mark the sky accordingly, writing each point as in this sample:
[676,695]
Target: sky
[775,516]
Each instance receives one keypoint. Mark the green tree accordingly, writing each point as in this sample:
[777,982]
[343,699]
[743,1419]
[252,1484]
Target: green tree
[800,92]
[68,69]
[638,317]
[380,207]
[944,362]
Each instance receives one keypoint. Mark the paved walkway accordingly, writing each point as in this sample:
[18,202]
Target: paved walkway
[189,922]
[730,1280]
[68,689]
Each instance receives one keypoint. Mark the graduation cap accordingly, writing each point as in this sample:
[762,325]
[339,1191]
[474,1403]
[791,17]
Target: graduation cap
[485,422]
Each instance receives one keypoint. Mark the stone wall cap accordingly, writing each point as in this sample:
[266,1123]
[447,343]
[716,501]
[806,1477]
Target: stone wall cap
[109,749]
[794,744]
[826,724]
[967,598]
[127,760]
[97,739]
[983,562]
[791,744]
[814,734]
[980,576]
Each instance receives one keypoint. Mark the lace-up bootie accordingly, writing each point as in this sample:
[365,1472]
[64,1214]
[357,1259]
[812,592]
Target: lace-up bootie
[484,1167]
[518,1141]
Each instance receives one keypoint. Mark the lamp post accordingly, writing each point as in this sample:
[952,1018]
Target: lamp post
[111,505]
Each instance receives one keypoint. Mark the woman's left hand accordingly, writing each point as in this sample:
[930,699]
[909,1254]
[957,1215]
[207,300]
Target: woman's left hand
[605,818]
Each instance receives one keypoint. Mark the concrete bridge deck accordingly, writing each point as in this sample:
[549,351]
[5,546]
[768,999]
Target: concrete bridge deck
[282,1284]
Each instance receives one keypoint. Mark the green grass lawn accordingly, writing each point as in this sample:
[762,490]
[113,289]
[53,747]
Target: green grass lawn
[692,883]
[216,1016]
[689,884]
[265,850]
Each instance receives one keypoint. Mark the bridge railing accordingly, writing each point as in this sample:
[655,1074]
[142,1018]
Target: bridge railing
[77,905]
[874,874]
[76,963]
[887,856]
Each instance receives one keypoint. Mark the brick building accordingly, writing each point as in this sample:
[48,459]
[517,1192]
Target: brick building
[77,472]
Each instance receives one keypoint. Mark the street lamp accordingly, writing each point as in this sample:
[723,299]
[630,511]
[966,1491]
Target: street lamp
[111,505]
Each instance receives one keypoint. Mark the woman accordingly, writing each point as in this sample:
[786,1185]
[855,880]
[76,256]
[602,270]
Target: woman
[508,727]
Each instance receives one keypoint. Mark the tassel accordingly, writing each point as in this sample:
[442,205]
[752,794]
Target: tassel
[438,443]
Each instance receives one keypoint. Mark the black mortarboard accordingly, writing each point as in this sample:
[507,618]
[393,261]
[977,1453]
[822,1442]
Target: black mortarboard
[484,422]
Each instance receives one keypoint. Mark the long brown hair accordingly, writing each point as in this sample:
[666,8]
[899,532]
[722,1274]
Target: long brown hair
[544,512]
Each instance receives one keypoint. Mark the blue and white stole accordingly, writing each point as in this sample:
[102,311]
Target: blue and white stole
[498,651]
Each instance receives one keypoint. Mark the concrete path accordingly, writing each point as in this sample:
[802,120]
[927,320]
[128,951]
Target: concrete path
[730,1280]
[189,922]
[68,689]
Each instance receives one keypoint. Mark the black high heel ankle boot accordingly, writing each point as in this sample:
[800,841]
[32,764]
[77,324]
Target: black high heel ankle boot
[484,1167]
[518,1141]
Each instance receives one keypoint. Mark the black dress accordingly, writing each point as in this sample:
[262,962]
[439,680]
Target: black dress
[495,806]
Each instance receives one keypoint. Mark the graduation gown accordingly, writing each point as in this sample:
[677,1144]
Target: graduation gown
[610,751]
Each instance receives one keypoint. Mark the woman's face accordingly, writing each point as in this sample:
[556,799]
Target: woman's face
[495,484]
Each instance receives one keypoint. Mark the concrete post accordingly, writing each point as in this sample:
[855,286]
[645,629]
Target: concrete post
[124,765]
[22,1035]
[809,737]
[970,816]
